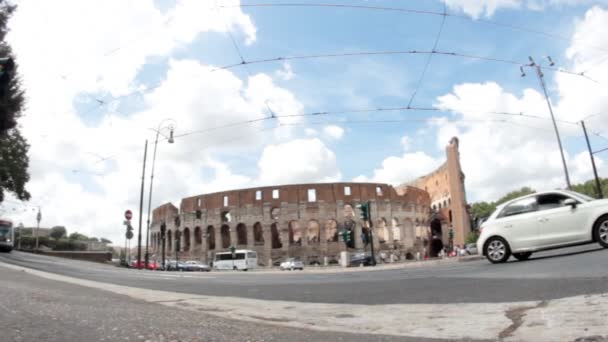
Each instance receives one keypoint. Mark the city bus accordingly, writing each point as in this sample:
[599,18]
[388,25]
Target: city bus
[244,259]
[7,236]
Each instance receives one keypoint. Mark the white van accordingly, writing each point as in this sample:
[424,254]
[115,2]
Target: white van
[244,259]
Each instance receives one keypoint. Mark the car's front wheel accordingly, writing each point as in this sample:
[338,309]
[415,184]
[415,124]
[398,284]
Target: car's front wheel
[600,231]
[522,256]
[497,250]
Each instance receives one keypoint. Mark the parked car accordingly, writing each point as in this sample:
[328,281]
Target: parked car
[471,249]
[360,259]
[197,266]
[173,265]
[152,265]
[541,221]
[292,264]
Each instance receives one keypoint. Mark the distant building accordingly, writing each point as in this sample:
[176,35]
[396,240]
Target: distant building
[303,220]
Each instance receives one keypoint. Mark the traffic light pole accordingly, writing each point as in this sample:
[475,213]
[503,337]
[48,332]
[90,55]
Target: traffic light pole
[371,233]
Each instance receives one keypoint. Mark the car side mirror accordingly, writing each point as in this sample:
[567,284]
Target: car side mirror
[570,202]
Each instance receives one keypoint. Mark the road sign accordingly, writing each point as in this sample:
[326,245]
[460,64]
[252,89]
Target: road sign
[128,215]
[129,234]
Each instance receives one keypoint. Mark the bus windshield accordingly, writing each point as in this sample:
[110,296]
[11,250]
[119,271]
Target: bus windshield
[5,229]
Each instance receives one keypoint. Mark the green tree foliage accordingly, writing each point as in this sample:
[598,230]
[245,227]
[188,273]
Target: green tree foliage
[58,232]
[104,240]
[13,146]
[589,188]
[514,194]
[75,236]
[472,237]
[481,210]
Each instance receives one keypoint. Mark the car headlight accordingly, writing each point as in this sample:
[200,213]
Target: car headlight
[8,240]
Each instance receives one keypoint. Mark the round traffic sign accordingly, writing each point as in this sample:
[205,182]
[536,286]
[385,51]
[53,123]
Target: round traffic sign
[129,235]
[128,214]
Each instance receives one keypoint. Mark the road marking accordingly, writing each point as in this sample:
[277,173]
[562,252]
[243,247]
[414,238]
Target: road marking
[563,319]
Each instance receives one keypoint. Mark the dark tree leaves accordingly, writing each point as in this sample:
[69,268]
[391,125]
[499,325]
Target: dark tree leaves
[13,146]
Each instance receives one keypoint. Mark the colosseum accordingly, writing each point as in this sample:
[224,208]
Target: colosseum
[304,220]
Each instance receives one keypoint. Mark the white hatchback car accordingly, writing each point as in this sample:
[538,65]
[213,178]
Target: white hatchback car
[292,264]
[542,221]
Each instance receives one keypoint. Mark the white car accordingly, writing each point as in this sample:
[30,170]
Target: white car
[292,264]
[542,221]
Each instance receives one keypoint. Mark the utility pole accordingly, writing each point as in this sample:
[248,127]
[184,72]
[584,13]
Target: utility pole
[597,179]
[141,205]
[541,79]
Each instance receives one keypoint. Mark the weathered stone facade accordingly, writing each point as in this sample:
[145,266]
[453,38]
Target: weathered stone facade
[304,220]
[293,220]
[445,187]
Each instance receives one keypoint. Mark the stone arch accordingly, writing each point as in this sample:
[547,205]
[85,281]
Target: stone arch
[225,232]
[210,238]
[382,230]
[295,233]
[349,211]
[177,236]
[275,237]
[186,239]
[313,232]
[198,236]
[331,230]
[396,229]
[258,234]
[241,234]
[169,240]
[436,234]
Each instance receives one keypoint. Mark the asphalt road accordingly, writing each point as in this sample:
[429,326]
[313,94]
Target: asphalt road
[38,309]
[548,275]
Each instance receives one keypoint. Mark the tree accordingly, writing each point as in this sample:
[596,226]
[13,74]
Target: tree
[514,194]
[93,239]
[13,146]
[75,236]
[104,240]
[58,232]
[589,187]
[482,209]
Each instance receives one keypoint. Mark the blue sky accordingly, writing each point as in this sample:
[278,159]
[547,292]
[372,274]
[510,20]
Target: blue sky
[172,46]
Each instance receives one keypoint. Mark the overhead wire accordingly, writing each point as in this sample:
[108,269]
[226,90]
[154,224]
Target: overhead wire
[429,57]
[426,12]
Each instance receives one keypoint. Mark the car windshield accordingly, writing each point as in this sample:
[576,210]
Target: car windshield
[581,197]
[4,229]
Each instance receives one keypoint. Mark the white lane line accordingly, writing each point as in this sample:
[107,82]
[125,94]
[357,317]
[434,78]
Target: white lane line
[557,320]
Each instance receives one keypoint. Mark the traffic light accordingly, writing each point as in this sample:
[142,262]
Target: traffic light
[345,235]
[178,240]
[177,221]
[232,249]
[365,212]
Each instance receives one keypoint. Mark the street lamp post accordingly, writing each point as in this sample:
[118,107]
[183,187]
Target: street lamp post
[38,218]
[170,139]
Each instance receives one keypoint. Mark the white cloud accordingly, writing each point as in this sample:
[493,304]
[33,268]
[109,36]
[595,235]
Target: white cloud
[478,8]
[286,73]
[92,201]
[406,142]
[298,161]
[399,170]
[487,8]
[310,132]
[498,157]
[334,132]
